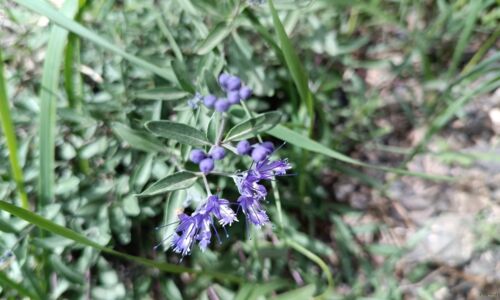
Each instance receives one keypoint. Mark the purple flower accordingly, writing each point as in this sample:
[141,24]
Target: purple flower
[198,226]
[197,155]
[188,227]
[218,153]
[248,185]
[221,210]
[267,170]
[206,165]
[253,210]
[193,102]
[252,192]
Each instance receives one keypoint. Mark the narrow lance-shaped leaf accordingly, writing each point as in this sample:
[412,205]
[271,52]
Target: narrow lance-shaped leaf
[6,282]
[10,135]
[253,126]
[182,133]
[137,139]
[304,142]
[172,207]
[183,76]
[50,226]
[177,181]
[48,98]
[161,93]
[216,36]
[293,63]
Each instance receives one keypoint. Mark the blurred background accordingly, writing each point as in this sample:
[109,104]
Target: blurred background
[410,85]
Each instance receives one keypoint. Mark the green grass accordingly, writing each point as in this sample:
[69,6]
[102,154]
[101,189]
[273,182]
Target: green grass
[10,135]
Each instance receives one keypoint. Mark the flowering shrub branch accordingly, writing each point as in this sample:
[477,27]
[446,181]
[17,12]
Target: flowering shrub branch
[199,226]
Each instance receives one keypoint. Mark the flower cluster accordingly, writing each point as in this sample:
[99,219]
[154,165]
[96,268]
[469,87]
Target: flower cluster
[235,92]
[257,151]
[206,161]
[253,192]
[199,226]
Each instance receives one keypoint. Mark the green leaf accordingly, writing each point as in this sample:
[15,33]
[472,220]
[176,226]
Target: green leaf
[182,133]
[9,283]
[253,126]
[214,38]
[172,207]
[7,227]
[54,228]
[67,272]
[474,11]
[177,181]
[301,141]
[213,127]
[295,68]
[305,292]
[48,97]
[45,9]
[253,291]
[183,76]
[137,139]
[10,136]
[161,93]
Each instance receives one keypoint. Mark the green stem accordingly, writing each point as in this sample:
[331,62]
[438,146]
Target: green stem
[276,193]
[482,51]
[10,136]
[205,182]
[250,115]
[313,257]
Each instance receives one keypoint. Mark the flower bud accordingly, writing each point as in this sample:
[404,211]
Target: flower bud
[243,147]
[223,78]
[206,165]
[218,153]
[245,92]
[259,153]
[197,155]
[268,145]
[233,97]
[209,101]
[233,83]
[222,105]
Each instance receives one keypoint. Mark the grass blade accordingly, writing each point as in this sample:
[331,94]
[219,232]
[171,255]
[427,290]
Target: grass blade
[10,135]
[43,8]
[9,283]
[442,119]
[474,10]
[54,228]
[48,98]
[304,142]
[293,63]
